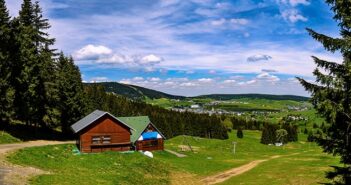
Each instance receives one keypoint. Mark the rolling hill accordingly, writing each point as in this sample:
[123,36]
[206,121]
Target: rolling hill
[136,92]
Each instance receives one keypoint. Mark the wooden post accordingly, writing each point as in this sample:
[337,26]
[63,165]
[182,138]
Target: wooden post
[234,145]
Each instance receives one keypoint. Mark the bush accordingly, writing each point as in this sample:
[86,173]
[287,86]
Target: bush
[239,133]
[269,133]
[310,137]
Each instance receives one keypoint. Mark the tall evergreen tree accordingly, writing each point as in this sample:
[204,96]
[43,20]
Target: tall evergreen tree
[6,91]
[331,94]
[72,101]
[34,69]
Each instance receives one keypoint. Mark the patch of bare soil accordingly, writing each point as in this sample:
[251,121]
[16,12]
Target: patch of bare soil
[11,174]
[180,178]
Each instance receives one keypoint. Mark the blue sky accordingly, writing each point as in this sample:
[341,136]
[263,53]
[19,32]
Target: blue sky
[192,47]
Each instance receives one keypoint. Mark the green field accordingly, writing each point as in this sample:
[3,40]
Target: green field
[307,165]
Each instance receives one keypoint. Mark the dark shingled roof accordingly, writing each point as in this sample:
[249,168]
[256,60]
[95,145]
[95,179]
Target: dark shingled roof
[87,120]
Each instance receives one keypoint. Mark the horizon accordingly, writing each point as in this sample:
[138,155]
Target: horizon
[193,47]
[207,94]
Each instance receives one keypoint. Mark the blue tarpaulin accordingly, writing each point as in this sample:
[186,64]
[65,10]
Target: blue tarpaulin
[149,135]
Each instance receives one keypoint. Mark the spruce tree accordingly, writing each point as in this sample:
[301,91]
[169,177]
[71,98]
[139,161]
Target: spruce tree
[72,101]
[6,91]
[331,94]
[34,69]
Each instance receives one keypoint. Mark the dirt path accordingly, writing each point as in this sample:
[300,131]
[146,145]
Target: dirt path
[175,153]
[11,174]
[223,176]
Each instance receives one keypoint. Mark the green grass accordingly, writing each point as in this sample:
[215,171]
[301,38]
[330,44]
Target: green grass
[211,157]
[103,168]
[304,168]
[6,138]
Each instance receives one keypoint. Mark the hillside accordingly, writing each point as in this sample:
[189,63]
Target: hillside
[135,92]
[253,96]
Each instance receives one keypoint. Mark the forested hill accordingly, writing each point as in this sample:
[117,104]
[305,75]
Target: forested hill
[253,96]
[135,92]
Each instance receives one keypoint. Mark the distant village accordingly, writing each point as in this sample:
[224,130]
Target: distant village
[204,108]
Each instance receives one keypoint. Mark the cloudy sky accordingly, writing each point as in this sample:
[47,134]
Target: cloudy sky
[192,47]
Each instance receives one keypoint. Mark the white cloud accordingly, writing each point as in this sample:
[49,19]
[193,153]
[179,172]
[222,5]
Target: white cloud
[229,81]
[92,52]
[114,59]
[268,77]
[255,58]
[151,59]
[239,21]
[230,22]
[177,79]
[293,16]
[218,22]
[297,2]
[154,79]
[205,80]
[247,82]
[99,79]
[188,84]
[138,78]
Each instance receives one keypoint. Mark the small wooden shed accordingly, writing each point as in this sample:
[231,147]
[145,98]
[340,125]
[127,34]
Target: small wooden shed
[145,135]
[101,131]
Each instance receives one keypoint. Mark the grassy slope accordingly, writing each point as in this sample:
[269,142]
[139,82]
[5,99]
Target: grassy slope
[104,168]
[6,138]
[212,156]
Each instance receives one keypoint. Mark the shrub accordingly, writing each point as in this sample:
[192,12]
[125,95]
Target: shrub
[239,133]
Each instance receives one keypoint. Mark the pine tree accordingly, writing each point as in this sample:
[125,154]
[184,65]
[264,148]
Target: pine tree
[34,69]
[269,134]
[331,94]
[23,66]
[72,101]
[6,91]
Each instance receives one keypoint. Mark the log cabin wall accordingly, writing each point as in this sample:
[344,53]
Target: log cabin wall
[105,134]
[150,145]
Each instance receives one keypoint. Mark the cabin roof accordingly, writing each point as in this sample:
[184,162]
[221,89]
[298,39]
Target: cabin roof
[139,123]
[92,117]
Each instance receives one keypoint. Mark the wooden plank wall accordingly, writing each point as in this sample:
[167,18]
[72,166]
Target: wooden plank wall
[119,133]
[145,145]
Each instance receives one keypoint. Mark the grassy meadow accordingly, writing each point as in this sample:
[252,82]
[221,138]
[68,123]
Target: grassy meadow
[299,163]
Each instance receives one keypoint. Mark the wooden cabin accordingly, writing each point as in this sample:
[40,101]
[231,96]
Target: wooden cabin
[101,131]
[145,136]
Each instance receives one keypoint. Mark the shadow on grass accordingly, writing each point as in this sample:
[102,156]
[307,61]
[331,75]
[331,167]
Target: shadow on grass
[27,133]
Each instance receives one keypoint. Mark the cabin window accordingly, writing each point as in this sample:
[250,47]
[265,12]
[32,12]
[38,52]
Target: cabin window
[101,139]
[106,139]
[95,140]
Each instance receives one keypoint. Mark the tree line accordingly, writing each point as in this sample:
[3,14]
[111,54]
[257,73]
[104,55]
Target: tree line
[38,86]
[170,123]
[43,88]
